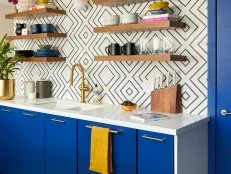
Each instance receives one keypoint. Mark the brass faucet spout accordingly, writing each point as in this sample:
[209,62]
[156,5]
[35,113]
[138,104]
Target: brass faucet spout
[83,87]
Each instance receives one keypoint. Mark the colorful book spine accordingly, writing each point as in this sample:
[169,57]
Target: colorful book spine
[161,16]
[154,20]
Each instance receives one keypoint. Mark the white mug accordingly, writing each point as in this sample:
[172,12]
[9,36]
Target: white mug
[29,86]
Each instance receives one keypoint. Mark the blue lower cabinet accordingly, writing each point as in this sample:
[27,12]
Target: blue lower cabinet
[123,144]
[60,145]
[29,143]
[8,134]
[155,153]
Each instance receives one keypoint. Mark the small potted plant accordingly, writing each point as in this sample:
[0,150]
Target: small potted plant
[7,68]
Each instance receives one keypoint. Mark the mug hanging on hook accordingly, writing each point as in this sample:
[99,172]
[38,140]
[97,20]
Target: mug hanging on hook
[80,4]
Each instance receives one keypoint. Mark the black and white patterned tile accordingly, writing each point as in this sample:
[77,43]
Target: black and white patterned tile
[122,80]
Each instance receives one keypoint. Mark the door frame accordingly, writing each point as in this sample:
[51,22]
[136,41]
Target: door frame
[212,81]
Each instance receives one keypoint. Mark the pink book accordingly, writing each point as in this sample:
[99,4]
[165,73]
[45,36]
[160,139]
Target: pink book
[154,20]
[158,20]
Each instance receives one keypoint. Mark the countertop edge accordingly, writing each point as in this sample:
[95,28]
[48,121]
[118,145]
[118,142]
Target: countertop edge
[138,126]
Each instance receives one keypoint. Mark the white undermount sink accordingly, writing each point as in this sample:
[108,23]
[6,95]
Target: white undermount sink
[65,105]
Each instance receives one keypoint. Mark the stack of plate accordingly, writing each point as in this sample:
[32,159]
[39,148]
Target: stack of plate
[111,20]
[45,51]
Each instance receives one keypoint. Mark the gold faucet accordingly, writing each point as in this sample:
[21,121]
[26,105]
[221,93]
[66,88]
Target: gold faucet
[83,88]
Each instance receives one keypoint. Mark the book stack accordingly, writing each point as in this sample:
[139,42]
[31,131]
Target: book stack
[159,17]
[159,12]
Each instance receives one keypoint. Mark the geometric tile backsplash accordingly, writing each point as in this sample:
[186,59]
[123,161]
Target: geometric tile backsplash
[122,80]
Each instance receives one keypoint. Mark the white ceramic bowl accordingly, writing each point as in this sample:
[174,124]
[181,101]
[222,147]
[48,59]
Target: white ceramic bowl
[129,15]
[111,22]
[111,17]
[129,18]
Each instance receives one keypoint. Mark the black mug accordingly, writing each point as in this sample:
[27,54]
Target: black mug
[113,49]
[129,49]
[19,28]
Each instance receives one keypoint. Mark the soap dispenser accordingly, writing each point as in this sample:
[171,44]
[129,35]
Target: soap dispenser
[96,94]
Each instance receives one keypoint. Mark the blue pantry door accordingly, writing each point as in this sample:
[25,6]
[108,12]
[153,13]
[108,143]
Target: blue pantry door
[223,122]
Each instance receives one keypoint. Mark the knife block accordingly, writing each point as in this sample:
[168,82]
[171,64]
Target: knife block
[167,100]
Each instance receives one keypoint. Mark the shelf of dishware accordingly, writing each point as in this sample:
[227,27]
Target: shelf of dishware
[32,14]
[113,3]
[44,59]
[162,25]
[37,36]
[150,57]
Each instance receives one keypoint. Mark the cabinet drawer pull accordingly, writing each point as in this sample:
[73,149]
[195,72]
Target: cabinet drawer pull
[59,121]
[4,110]
[111,131]
[154,139]
[28,115]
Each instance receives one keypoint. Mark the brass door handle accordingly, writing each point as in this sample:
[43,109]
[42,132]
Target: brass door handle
[154,139]
[111,131]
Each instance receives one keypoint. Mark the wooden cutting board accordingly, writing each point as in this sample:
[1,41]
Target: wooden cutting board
[167,100]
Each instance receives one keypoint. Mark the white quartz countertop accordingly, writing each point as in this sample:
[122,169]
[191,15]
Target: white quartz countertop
[109,114]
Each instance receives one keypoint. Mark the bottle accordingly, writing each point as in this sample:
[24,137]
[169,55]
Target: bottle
[96,94]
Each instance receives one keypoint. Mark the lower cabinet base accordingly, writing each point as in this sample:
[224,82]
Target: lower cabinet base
[191,151]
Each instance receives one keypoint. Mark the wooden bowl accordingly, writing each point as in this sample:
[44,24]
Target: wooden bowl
[128,108]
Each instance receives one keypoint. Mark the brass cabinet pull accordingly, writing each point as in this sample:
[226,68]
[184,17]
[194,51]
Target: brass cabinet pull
[28,115]
[154,139]
[111,131]
[4,110]
[59,121]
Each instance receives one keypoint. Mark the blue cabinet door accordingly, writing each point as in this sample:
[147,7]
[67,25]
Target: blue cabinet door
[29,143]
[60,145]
[155,153]
[8,135]
[123,144]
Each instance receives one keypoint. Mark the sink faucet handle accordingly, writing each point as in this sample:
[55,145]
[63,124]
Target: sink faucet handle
[84,87]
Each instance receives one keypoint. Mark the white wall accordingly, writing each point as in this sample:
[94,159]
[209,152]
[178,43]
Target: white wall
[7,26]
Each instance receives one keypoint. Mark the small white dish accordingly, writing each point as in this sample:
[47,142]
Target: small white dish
[31,95]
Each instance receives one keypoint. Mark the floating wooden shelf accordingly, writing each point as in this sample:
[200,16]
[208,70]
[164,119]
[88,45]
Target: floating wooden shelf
[37,36]
[164,25]
[157,57]
[32,14]
[44,59]
[114,3]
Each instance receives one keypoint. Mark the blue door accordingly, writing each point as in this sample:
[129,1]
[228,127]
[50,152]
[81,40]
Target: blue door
[60,145]
[123,144]
[29,143]
[155,153]
[223,121]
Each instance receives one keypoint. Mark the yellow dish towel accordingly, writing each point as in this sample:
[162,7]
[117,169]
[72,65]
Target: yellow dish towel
[101,150]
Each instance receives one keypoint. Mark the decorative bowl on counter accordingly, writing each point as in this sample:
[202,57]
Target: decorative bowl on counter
[128,106]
